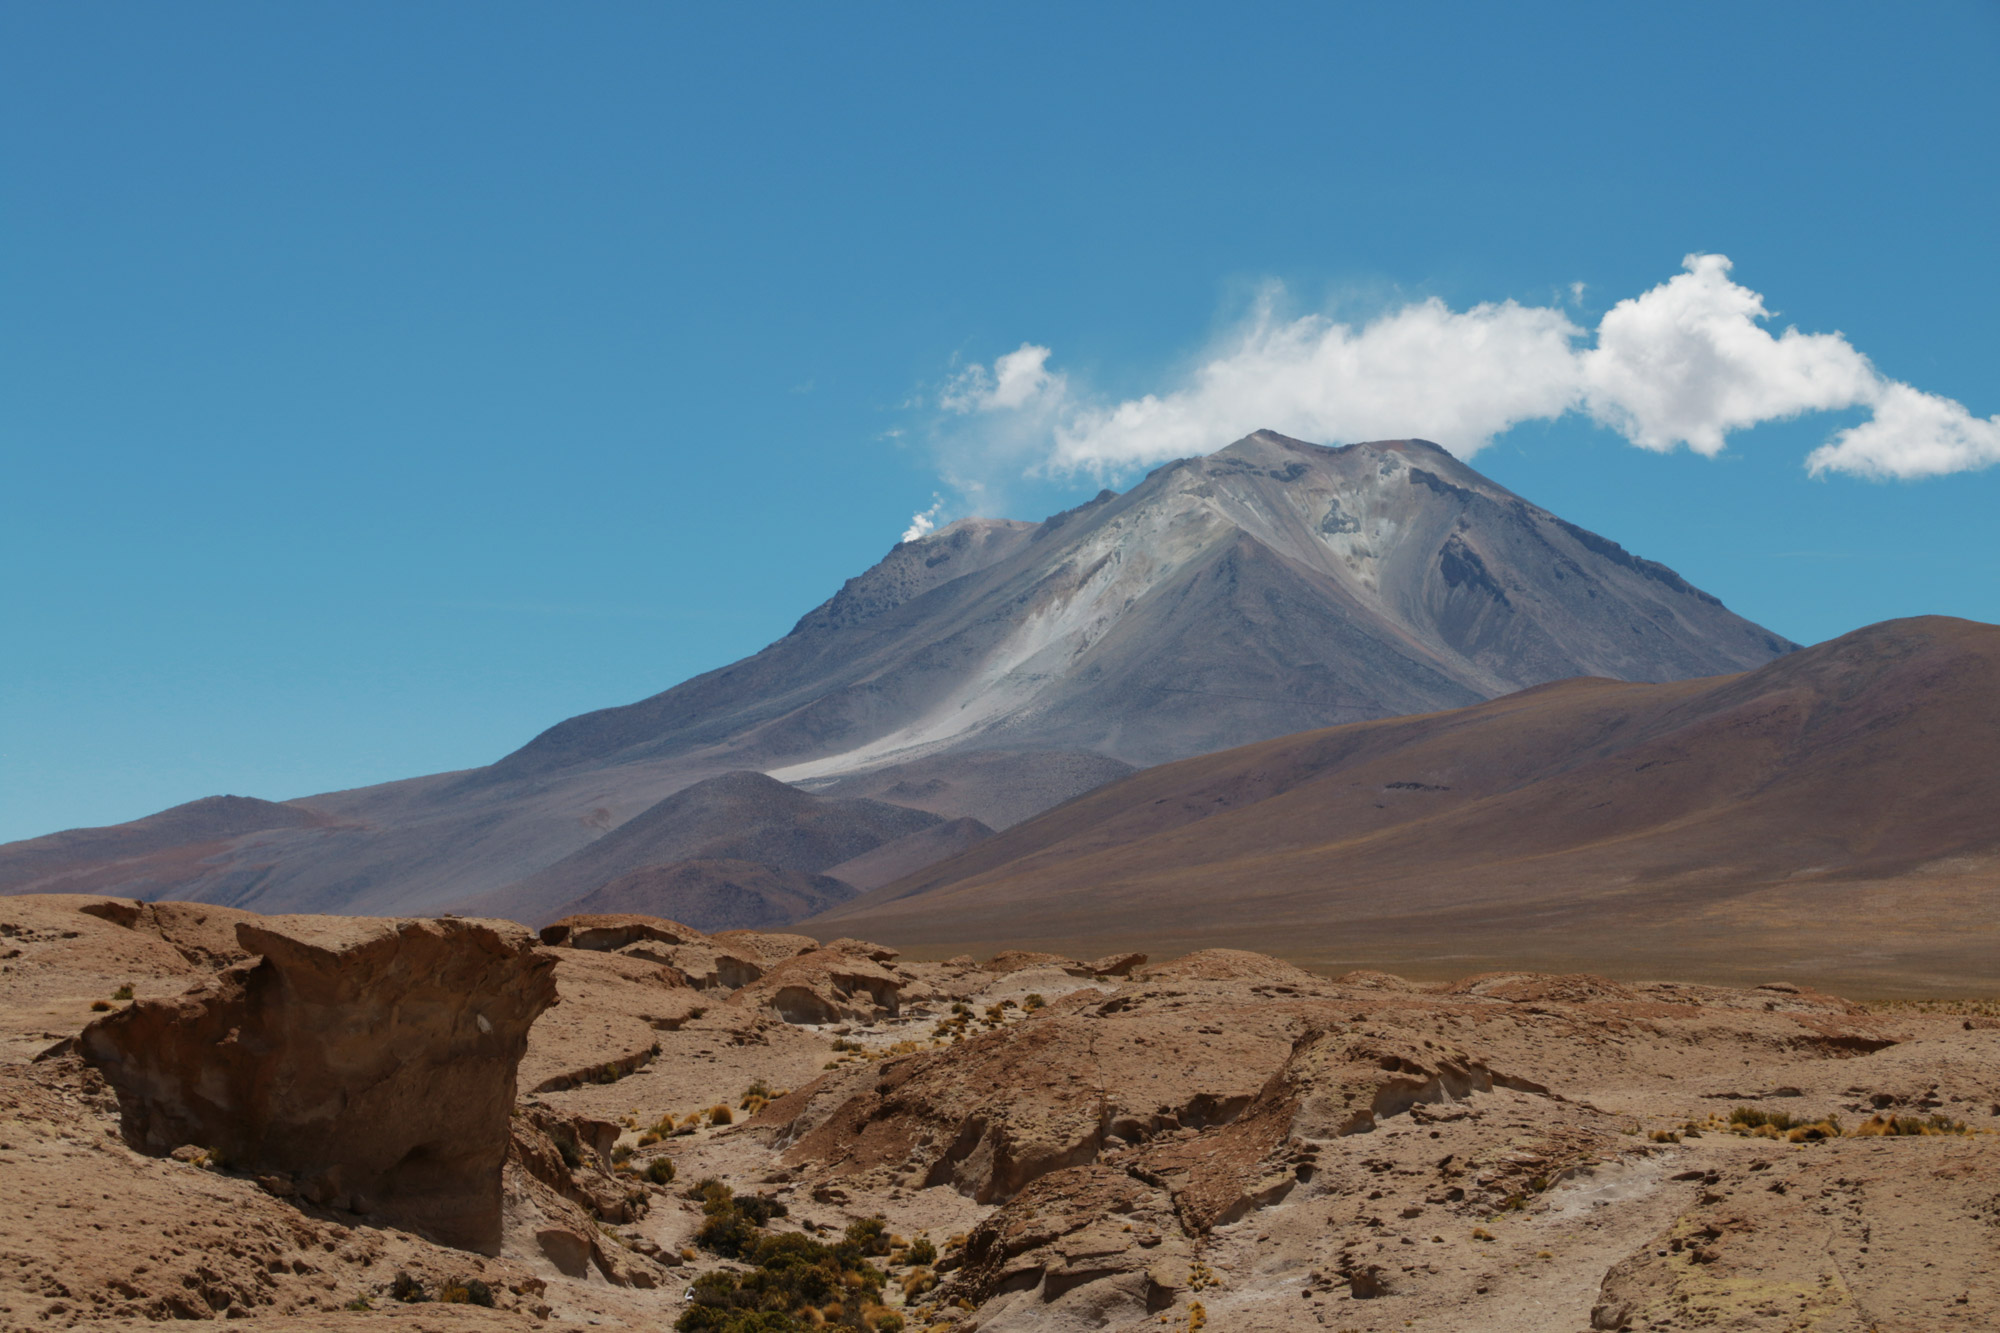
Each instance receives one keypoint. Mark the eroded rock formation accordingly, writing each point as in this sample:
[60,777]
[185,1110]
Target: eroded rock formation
[366,1064]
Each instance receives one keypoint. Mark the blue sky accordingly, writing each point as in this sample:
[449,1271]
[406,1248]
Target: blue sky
[381,384]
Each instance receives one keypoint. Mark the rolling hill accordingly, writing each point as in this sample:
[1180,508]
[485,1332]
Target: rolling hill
[1832,811]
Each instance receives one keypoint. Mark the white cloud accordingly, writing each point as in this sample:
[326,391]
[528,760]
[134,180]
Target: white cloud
[1912,434]
[1016,379]
[1423,370]
[1689,361]
[1684,363]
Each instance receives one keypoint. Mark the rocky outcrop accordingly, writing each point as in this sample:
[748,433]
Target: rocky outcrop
[827,986]
[367,1065]
[609,933]
[1341,1083]
[1081,1077]
[704,962]
[1100,1241]
[561,1185]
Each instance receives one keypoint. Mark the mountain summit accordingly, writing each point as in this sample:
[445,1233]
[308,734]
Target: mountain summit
[1268,588]
[996,668]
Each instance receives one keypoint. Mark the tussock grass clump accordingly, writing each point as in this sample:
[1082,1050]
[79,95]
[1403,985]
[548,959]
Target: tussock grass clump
[1884,1125]
[469,1292]
[719,1114]
[1751,1117]
[1754,1122]
[1828,1128]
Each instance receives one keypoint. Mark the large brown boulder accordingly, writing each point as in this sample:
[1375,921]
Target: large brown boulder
[367,1063]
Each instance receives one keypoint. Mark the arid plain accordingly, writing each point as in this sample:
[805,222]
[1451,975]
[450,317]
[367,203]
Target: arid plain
[704,1131]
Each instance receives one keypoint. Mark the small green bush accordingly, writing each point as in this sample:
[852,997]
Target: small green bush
[469,1292]
[795,1283]
[870,1235]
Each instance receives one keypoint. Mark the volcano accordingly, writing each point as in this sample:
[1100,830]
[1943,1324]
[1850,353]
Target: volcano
[996,668]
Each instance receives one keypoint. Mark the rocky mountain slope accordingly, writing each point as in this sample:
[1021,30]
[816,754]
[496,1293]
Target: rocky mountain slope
[1224,599]
[1831,813]
[1271,587]
[710,1125]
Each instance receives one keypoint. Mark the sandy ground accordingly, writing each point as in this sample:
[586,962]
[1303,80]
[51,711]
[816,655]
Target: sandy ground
[1198,1179]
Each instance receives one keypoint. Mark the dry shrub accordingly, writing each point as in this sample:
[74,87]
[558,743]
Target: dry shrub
[1884,1125]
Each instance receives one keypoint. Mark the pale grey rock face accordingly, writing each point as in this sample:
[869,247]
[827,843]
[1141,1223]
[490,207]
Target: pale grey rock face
[1273,587]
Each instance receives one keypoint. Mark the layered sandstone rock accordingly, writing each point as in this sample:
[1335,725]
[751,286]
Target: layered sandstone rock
[367,1064]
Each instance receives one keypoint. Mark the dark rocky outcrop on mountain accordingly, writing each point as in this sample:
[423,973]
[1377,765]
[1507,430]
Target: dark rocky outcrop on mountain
[1272,587]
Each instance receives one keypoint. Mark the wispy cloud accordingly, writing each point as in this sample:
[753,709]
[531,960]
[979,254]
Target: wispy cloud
[1685,363]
